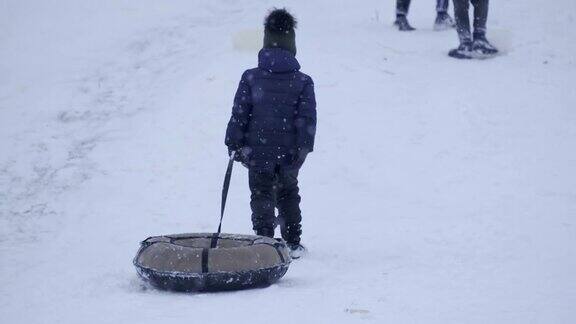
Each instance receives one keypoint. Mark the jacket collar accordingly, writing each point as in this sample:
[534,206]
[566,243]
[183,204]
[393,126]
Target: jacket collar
[277,60]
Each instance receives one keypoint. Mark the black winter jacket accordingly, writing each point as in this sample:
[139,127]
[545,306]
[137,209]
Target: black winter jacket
[274,112]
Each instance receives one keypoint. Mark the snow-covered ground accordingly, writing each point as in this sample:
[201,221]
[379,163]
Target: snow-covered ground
[440,191]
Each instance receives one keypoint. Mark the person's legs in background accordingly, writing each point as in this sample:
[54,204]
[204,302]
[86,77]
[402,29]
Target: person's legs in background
[462,20]
[464,50]
[402,7]
[443,20]
[480,43]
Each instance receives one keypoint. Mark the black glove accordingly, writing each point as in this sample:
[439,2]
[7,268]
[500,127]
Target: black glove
[236,154]
[241,154]
[299,158]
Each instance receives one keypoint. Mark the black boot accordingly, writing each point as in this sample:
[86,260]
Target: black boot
[297,250]
[402,23]
[482,46]
[443,21]
[464,51]
[291,234]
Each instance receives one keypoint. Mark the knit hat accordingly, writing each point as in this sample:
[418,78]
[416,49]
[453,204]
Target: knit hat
[279,30]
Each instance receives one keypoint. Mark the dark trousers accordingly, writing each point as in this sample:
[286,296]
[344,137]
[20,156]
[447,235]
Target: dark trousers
[463,20]
[276,189]
[402,6]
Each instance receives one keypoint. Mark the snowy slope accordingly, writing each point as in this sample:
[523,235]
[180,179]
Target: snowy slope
[440,191]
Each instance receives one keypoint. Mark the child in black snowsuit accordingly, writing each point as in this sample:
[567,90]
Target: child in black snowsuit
[272,130]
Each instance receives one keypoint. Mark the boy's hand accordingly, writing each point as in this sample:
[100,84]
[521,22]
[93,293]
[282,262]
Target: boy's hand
[236,153]
[241,155]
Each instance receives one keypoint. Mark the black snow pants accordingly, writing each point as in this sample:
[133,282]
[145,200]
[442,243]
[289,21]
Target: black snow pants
[402,6]
[463,20]
[276,189]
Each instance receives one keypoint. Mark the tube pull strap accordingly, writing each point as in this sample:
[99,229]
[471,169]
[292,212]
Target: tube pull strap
[215,236]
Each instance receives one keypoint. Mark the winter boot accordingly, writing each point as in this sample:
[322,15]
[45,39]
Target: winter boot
[443,21]
[402,23]
[464,51]
[482,47]
[297,250]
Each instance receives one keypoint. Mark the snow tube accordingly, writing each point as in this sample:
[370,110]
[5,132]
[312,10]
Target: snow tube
[186,262]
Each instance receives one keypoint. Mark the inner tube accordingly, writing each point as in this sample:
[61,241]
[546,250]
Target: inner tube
[187,262]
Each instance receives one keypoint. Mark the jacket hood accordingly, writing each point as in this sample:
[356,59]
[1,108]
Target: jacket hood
[277,60]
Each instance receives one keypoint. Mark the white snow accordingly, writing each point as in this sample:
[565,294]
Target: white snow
[440,191]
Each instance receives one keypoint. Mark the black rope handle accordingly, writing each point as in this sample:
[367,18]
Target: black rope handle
[225,188]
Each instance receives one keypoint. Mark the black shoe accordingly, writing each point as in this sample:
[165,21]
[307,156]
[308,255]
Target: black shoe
[402,23]
[464,51]
[265,231]
[297,250]
[482,46]
[443,21]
